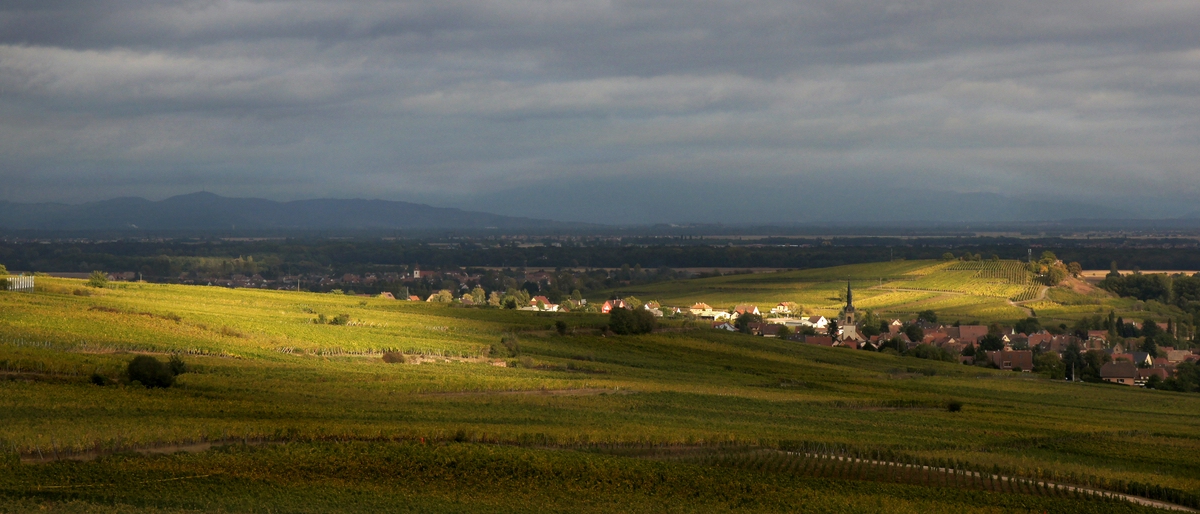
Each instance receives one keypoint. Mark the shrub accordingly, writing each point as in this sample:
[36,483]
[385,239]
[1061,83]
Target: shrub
[81,292]
[340,319]
[954,406]
[97,279]
[394,358]
[98,379]
[176,366]
[149,372]
[511,343]
[561,327]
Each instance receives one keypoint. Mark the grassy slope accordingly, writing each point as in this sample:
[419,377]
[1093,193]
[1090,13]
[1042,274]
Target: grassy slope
[955,290]
[687,388]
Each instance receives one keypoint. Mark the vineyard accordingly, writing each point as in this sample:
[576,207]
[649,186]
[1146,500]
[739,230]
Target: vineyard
[326,410]
[892,288]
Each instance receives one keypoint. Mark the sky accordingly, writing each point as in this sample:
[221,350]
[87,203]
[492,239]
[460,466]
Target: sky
[601,110]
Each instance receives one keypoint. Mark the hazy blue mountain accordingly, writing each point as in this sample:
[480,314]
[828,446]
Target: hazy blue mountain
[207,211]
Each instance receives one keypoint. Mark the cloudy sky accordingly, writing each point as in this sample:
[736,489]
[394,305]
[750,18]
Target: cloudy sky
[654,110]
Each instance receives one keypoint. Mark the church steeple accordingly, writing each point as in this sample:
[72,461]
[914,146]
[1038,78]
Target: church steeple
[849,317]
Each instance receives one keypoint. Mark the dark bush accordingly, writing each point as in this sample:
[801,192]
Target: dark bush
[954,406]
[625,321]
[561,327]
[99,379]
[394,358]
[149,372]
[511,344]
[340,319]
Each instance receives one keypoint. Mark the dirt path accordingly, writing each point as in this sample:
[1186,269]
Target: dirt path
[531,392]
[1040,483]
[1029,312]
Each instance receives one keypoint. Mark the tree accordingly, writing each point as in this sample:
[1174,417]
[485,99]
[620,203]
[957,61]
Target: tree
[871,324]
[1028,326]
[832,328]
[149,372]
[914,333]
[927,316]
[494,299]
[97,279]
[1055,274]
[1049,364]
[633,302]
[3,271]
[1113,272]
[625,321]
[947,256]
[784,332]
[991,343]
[931,352]
[743,322]
[478,296]
[443,296]
[1075,269]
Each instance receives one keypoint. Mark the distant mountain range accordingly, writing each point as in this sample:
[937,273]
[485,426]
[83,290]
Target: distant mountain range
[207,211]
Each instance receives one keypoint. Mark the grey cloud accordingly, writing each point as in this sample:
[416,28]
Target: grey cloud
[466,101]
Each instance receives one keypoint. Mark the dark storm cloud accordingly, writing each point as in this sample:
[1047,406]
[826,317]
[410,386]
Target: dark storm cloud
[457,102]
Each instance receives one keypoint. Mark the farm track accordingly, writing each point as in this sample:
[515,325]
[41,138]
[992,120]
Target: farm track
[1020,305]
[529,392]
[975,474]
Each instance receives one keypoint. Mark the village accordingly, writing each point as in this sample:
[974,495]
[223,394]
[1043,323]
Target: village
[1102,355]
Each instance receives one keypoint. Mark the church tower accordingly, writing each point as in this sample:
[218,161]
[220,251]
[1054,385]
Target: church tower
[849,317]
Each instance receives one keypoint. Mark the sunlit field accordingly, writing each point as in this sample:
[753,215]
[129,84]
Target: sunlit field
[320,409]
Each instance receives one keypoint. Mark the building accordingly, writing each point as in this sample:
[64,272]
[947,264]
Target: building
[849,317]
[1119,372]
[615,303]
[746,309]
[1016,360]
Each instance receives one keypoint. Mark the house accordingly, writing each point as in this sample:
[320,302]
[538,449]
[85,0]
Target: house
[1142,359]
[724,325]
[765,329]
[702,310]
[1016,360]
[971,333]
[895,327]
[1174,356]
[1121,372]
[1098,335]
[414,298]
[615,303]
[818,340]
[817,322]
[542,303]
[782,308]
[746,309]
[1162,372]
[387,296]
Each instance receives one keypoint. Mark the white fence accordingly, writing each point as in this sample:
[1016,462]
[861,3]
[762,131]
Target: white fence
[22,283]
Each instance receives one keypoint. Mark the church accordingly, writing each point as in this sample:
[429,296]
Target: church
[848,320]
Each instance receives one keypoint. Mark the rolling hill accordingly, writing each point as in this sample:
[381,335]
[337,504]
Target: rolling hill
[309,417]
[207,211]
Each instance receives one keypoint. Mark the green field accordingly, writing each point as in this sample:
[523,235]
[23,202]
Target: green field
[897,288]
[983,291]
[582,422]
